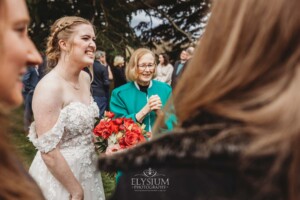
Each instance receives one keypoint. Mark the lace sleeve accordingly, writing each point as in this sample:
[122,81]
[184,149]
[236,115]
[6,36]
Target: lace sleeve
[49,140]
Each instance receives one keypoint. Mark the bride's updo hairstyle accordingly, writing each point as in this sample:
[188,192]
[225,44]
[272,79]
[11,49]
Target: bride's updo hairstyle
[62,29]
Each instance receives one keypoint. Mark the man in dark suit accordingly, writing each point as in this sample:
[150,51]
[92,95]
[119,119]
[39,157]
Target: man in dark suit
[30,80]
[103,61]
[100,84]
[180,65]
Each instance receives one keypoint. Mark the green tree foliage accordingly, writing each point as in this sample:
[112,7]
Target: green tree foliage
[181,22]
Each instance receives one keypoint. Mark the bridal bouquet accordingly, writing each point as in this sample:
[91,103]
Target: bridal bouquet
[113,135]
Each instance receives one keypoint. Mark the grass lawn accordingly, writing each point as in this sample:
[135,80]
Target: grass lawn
[27,151]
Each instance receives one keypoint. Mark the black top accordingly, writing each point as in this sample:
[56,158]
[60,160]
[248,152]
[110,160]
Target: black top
[119,76]
[143,88]
[100,83]
[186,164]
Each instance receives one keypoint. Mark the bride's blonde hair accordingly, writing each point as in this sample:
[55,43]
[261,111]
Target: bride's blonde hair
[62,28]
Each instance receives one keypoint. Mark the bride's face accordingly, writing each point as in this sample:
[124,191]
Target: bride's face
[17,52]
[83,45]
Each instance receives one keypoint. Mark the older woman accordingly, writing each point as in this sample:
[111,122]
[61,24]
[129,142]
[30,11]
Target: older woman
[16,51]
[142,99]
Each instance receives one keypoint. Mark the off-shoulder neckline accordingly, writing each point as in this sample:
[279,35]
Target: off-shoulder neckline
[32,126]
[79,102]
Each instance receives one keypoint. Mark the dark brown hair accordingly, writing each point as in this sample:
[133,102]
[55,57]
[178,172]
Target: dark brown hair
[166,59]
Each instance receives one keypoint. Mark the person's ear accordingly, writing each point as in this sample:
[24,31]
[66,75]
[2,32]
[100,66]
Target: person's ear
[62,45]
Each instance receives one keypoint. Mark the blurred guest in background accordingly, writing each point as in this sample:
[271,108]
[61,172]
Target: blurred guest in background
[100,84]
[103,61]
[30,80]
[164,69]
[118,71]
[178,66]
[105,64]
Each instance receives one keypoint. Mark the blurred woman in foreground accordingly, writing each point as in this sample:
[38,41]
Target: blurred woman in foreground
[237,104]
[16,52]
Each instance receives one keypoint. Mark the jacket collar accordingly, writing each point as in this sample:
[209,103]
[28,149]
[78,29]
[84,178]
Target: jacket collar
[137,85]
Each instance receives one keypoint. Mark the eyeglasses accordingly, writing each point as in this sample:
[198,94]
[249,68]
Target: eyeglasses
[144,66]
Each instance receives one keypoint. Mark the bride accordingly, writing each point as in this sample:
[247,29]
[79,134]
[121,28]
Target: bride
[64,112]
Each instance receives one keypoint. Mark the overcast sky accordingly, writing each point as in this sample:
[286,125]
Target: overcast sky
[141,16]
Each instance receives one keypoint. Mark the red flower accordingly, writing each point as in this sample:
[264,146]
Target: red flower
[142,138]
[113,127]
[128,122]
[136,129]
[119,121]
[131,138]
[103,129]
[105,133]
[109,114]
[97,131]
[122,143]
[122,127]
[122,133]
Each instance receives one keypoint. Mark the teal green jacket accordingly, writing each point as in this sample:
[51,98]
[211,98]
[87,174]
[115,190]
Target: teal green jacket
[127,100]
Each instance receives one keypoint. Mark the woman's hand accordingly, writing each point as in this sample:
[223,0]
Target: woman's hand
[154,103]
[77,195]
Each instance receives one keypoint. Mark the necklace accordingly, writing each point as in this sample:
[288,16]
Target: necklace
[74,86]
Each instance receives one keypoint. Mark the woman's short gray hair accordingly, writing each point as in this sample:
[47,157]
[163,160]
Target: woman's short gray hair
[99,54]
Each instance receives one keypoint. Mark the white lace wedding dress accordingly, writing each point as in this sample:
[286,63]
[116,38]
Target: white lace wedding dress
[72,133]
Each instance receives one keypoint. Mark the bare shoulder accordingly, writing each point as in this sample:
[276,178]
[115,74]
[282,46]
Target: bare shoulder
[50,87]
[47,102]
